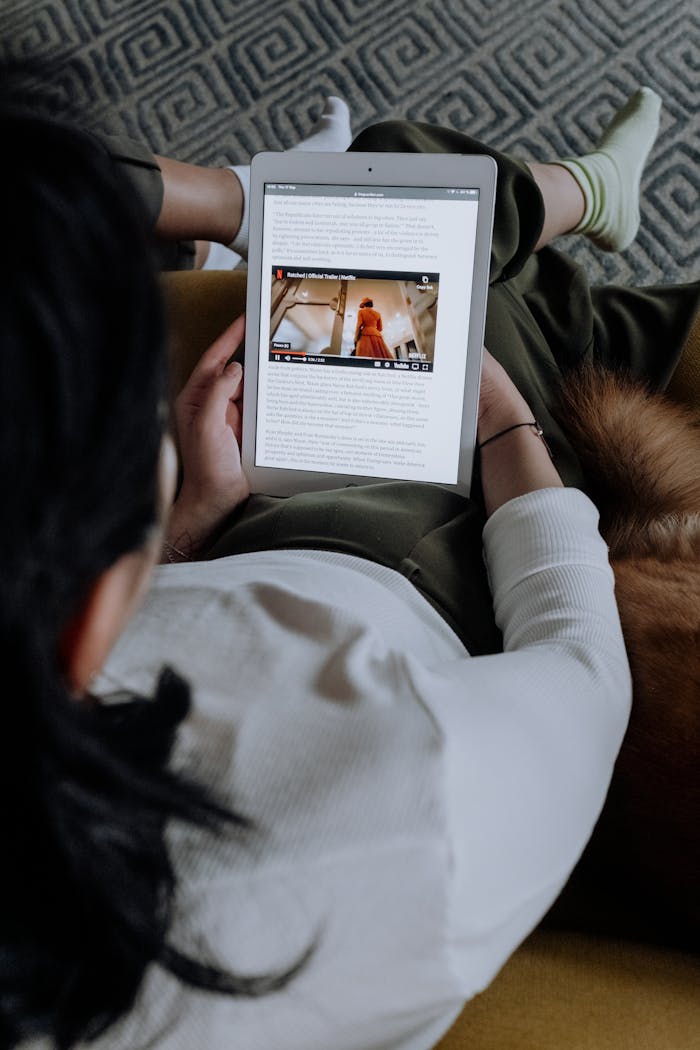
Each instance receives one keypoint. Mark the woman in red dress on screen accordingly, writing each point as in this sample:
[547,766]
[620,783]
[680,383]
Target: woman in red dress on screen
[368,332]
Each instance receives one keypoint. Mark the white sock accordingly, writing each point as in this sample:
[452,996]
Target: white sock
[610,176]
[220,258]
[239,244]
[330,134]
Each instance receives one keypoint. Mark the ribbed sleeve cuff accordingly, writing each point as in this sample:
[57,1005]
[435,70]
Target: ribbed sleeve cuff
[545,528]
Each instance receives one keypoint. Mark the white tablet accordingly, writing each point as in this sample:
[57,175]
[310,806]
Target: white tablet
[367,283]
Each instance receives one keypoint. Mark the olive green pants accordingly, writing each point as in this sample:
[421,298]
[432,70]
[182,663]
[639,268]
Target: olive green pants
[543,318]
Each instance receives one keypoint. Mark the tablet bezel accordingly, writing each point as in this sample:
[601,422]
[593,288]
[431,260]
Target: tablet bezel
[366,169]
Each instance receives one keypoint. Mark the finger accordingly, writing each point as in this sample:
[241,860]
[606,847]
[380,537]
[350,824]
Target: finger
[193,398]
[234,419]
[234,415]
[214,359]
[238,396]
[222,391]
[234,373]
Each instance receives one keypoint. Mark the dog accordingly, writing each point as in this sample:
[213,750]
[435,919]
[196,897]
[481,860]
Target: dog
[640,873]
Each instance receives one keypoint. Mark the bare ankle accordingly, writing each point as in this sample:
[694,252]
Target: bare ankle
[232,206]
[564,202]
[199,203]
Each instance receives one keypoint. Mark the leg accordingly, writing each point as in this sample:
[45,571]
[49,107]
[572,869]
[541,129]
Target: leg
[209,205]
[564,202]
[204,205]
[198,203]
[138,165]
[543,318]
[519,212]
[598,194]
[188,203]
[610,176]
[429,535]
[644,330]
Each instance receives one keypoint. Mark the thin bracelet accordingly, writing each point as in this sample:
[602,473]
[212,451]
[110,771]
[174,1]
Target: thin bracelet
[533,423]
[170,550]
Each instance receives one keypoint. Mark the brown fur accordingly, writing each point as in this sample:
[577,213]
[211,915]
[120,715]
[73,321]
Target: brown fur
[641,871]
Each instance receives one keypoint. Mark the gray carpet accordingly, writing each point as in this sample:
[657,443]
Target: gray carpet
[214,80]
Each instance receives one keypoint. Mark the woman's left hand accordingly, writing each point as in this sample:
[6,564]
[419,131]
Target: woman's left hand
[208,415]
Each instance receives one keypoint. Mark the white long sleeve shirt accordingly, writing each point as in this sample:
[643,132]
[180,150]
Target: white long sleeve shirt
[418,809]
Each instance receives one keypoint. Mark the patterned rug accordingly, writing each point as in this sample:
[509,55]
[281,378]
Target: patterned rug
[213,81]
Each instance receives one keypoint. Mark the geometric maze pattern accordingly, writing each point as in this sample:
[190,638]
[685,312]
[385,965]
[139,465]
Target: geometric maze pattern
[212,81]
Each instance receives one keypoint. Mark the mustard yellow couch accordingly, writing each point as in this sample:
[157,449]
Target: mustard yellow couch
[560,990]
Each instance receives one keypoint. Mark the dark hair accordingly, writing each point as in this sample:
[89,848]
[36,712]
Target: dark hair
[366,302]
[86,882]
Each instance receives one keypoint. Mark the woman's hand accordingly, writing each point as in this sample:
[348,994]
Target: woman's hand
[209,421]
[500,401]
[518,461]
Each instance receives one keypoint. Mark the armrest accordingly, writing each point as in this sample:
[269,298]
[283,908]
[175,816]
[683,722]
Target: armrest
[200,305]
[570,990]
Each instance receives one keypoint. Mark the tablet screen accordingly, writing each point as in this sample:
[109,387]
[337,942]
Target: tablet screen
[364,312]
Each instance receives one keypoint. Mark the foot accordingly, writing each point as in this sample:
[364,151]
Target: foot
[610,176]
[330,134]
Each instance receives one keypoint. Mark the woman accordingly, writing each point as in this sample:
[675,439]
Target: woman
[351,827]
[369,341]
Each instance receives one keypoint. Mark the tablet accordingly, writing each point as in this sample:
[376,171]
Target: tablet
[366,304]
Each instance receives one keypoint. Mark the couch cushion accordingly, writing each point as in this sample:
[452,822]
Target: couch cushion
[563,991]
